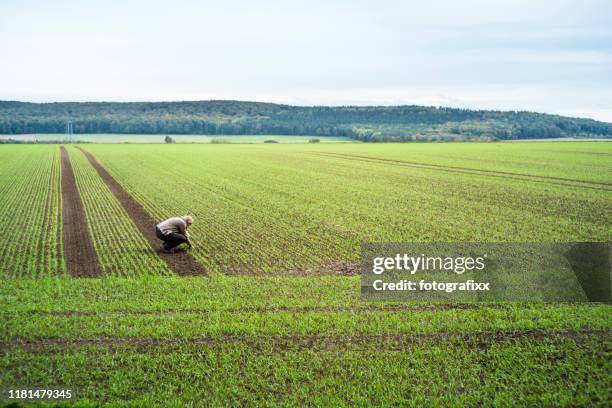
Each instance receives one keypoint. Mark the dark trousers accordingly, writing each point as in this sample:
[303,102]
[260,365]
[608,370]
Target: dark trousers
[171,240]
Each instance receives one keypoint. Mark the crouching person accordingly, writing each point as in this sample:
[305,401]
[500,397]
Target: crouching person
[173,232]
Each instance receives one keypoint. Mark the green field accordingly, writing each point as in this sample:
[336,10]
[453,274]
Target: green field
[280,208]
[278,320]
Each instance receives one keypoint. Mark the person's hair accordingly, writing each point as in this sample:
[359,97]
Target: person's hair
[188,219]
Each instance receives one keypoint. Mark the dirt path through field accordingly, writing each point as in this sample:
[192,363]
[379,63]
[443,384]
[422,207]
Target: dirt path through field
[79,253]
[181,263]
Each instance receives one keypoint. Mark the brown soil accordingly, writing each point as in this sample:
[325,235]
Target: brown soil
[386,342]
[344,269]
[181,262]
[79,253]
[338,268]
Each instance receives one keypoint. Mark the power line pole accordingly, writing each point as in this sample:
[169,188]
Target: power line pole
[69,131]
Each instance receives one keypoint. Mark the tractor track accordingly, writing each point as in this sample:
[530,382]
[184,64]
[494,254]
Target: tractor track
[566,182]
[275,344]
[435,307]
[182,262]
[79,253]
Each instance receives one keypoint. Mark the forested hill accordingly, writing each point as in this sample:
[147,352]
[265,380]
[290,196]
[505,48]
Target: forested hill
[370,123]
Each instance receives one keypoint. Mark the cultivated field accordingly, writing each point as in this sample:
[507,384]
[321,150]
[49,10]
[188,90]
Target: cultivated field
[30,205]
[266,309]
[286,208]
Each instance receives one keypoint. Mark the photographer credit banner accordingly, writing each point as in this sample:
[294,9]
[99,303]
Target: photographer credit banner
[479,272]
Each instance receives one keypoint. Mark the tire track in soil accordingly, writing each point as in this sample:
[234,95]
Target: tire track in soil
[277,344]
[79,253]
[435,307]
[594,185]
[182,263]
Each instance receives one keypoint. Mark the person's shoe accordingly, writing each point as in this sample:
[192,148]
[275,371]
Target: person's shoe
[165,251]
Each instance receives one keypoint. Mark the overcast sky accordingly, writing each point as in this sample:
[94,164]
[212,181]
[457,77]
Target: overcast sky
[548,56]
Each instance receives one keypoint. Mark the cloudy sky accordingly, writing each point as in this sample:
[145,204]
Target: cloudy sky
[549,56]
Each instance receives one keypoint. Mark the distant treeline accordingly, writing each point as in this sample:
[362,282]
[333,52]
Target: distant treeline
[371,123]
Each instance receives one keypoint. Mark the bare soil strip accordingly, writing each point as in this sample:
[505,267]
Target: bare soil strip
[79,253]
[181,263]
[275,344]
[337,268]
[595,185]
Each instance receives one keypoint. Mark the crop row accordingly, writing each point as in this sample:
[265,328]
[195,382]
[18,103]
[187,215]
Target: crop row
[119,245]
[30,212]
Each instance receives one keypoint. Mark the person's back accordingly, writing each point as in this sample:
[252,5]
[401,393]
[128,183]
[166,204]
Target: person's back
[173,232]
[174,225]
